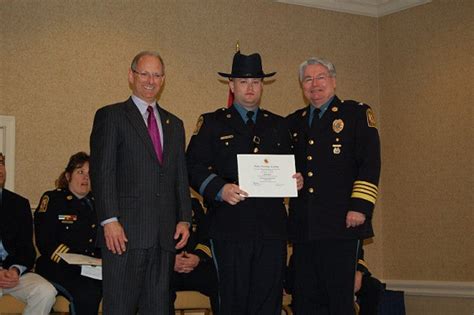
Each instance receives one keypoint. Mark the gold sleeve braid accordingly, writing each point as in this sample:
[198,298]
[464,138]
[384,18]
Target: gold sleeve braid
[60,249]
[365,190]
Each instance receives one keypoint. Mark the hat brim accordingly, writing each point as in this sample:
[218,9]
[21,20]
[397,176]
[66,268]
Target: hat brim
[250,75]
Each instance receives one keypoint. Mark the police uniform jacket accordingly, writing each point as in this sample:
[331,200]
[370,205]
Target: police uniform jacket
[198,241]
[213,150]
[339,157]
[64,224]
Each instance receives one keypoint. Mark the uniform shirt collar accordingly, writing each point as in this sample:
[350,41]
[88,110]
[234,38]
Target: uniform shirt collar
[322,109]
[243,112]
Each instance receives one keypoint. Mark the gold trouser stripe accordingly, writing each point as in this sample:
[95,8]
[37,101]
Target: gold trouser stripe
[363,263]
[365,191]
[363,196]
[205,249]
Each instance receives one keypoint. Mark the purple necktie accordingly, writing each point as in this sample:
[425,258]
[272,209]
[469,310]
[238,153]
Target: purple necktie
[154,133]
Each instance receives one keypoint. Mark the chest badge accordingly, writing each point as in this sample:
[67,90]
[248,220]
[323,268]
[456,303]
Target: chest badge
[337,125]
[336,148]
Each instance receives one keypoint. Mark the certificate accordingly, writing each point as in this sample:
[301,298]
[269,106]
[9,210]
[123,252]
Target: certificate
[267,175]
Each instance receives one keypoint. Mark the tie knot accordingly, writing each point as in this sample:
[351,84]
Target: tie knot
[150,109]
[250,114]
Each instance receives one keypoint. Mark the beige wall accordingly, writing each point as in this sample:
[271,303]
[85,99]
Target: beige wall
[426,92]
[61,60]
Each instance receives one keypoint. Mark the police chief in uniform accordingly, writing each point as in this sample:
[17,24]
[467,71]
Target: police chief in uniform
[66,222]
[194,269]
[337,150]
[248,235]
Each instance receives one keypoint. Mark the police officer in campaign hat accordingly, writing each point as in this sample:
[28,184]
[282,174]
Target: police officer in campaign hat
[337,150]
[66,222]
[248,234]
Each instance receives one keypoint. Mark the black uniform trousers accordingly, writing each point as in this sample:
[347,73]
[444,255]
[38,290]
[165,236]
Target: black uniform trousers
[202,279]
[324,277]
[83,292]
[250,276]
[148,270]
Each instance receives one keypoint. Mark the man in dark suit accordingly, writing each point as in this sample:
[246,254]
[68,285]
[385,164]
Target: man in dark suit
[337,149]
[17,253]
[140,183]
[248,234]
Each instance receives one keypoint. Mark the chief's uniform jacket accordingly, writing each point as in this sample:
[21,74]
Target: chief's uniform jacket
[66,224]
[213,149]
[340,161]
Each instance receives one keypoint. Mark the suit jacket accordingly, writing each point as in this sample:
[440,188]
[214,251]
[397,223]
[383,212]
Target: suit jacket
[16,230]
[129,182]
[213,150]
[340,159]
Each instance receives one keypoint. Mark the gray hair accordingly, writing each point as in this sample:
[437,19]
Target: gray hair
[317,61]
[137,58]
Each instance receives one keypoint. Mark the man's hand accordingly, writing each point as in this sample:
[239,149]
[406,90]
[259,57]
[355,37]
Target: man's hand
[115,238]
[185,262]
[299,180]
[232,194]
[354,218]
[9,278]
[182,229]
[358,281]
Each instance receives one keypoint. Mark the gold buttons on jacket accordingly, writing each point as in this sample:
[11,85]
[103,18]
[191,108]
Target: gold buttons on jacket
[90,240]
[311,141]
[93,226]
[311,190]
[310,174]
[309,157]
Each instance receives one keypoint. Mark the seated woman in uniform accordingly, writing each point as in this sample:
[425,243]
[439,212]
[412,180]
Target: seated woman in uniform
[66,222]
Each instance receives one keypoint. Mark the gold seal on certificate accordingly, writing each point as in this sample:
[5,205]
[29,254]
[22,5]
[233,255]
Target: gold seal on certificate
[267,175]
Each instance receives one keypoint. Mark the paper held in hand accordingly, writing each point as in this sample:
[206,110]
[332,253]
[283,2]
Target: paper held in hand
[90,266]
[267,175]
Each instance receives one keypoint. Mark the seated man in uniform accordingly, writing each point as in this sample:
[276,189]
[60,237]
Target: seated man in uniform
[368,289]
[17,253]
[193,267]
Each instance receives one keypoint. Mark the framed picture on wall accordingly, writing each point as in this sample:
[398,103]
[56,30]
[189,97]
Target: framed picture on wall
[7,147]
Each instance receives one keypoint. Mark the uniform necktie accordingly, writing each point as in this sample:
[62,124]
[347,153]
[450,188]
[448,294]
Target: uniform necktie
[315,120]
[250,122]
[154,133]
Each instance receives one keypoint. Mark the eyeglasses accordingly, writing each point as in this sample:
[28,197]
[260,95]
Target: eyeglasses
[319,78]
[144,76]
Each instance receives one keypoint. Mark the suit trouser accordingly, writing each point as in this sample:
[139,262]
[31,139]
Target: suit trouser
[250,276]
[324,277]
[36,292]
[202,279]
[137,281]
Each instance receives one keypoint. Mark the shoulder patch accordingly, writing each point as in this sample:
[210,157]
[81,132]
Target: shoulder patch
[198,125]
[44,204]
[371,122]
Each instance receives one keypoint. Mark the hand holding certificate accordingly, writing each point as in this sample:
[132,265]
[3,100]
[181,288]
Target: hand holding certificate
[267,175]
